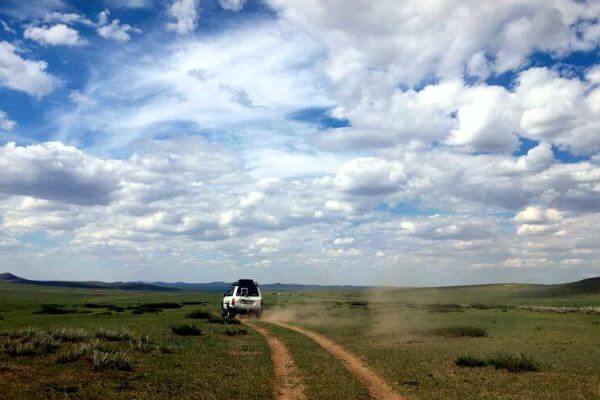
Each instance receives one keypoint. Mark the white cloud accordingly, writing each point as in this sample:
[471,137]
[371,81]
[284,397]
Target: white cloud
[131,3]
[232,5]
[343,241]
[24,75]
[185,14]
[6,124]
[67,18]
[369,177]
[115,29]
[561,110]
[487,120]
[55,35]
[7,27]
[56,172]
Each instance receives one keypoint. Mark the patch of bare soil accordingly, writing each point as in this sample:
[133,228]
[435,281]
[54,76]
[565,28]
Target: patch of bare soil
[288,385]
[377,387]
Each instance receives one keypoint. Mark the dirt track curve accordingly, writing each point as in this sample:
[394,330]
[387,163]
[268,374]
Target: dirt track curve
[288,385]
[377,387]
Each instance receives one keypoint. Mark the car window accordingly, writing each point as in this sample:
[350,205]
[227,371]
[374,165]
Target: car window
[248,290]
[230,291]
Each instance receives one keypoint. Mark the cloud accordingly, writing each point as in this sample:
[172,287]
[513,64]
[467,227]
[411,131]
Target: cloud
[6,124]
[232,5]
[7,27]
[55,35]
[185,14]
[561,110]
[131,3]
[115,30]
[369,177]
[23,75]
[67,18]
[54,171]
[198,74]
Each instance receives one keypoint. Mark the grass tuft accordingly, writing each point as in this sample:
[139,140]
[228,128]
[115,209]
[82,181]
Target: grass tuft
[470,362]
[76,353]
[5,367]
[102,361]
[15,348]
[186,330]
[459,331]
[111,335]
[70,335]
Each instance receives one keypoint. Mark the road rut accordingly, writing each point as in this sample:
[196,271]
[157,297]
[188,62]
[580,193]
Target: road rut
[288,381]
[377,387]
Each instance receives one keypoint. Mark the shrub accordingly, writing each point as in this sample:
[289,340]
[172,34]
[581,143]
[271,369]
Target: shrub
[514,363]
[236,332]
[110,307]
[199,314]
[160,305]
[470,362]
[70,335]
[139,311]
[358,303]
[120,335]
[508,362]
[220,320]
[444,307]
[193,303]
[102,361]
[460,331]
[55,309]
[186,330]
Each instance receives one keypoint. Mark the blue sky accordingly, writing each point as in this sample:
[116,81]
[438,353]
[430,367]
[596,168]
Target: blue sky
[300,141]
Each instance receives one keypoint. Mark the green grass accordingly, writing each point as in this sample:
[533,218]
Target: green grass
[413,338]
[163,365]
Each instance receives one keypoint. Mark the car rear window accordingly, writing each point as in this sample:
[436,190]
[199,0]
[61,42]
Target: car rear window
[247,290]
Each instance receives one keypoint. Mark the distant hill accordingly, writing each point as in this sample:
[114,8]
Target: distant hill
[277,287]
[585,286]
[137,286]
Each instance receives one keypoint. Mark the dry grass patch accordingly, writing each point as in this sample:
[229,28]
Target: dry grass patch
[103,361]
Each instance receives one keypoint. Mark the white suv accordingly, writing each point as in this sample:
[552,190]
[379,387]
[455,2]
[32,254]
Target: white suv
[243,297]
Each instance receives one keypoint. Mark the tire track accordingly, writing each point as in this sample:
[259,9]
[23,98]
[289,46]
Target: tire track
[288,381]
[377,387]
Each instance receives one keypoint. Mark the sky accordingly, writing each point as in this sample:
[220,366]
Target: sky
[309,141]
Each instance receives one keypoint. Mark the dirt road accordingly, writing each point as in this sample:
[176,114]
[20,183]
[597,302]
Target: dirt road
[288,381]
[377,387]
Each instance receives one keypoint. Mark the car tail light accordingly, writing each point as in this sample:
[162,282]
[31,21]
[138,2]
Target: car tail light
[233,302]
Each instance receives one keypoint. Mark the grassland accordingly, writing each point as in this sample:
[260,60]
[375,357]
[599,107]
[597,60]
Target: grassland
[112,344]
